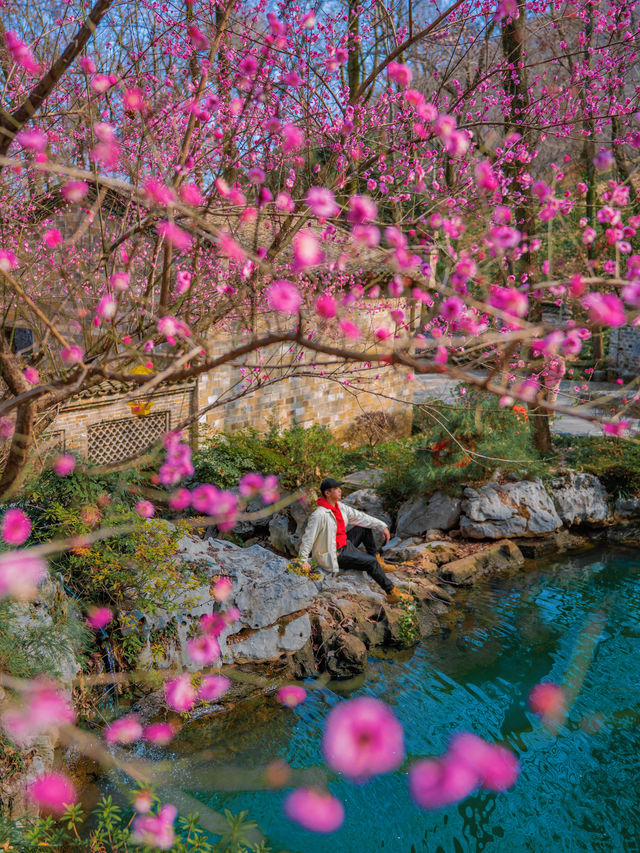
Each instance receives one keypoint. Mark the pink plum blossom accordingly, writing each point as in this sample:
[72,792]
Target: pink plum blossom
[306,250]
[177,238]
[496,766]
[213,687]
[250,484]
[292,138]
[361,209]
[145,509]
[617,428]
[180,499]
[362,738]
[72,355]
[291,695]
[190,194]
[322,202]
[99,617]
[284,296]
[204,649]
[549,701]
[349,329]
[435,784]
[605,309]
[126,730]
[180,693]
[52,238]
[15,527]
[133,100]
[44,708]
[64,465]
[222,589]
[155,830]
[20,53]
[326,306]
[31,375]
[8,260]
[315,810]
[119,281]
[53,793]
[198,38]
[7,428]
[159,733]
[143,801]
[21,573]
[33,139]
[400,73]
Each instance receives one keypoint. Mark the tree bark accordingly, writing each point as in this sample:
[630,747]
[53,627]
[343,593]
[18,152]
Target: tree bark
[16,461]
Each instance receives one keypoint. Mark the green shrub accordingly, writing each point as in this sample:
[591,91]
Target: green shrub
[110,830]
[299,456]
[615,461]
[459,443]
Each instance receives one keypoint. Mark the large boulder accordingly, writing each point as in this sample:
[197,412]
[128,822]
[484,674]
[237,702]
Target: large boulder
[263,590]
[367,500]
[439,512]
[269,643]
[287,526]
[580,499]
[495,511]
[628,508]
[498,557]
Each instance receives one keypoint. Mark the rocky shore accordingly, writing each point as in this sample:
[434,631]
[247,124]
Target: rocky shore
[293,626]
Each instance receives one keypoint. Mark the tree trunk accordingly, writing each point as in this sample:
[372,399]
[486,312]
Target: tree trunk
[16,461]
[541,427]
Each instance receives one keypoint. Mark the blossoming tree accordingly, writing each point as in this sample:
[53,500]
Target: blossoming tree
[273,172]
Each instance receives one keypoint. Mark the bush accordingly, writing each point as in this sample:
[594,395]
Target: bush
[615,461]
[111,830]
[455,444]
[299,456]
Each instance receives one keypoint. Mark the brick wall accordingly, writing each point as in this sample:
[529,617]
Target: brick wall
[280,384]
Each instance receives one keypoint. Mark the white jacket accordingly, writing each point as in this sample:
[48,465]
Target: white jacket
[319,538]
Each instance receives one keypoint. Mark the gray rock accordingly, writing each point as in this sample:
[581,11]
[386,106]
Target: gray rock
[580,499]
[296,634]
[271,642]
[366,500]
[439,512]
[410,521]
[286,528]
[264,590]
[351,583]
[496,511]
[628,508]
[500,556]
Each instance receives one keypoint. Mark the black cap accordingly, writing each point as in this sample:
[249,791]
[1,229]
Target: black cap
[329,483]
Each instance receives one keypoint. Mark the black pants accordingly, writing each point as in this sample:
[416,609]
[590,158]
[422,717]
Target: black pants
[351,559]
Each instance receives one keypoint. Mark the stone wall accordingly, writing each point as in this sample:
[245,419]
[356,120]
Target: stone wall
[104,430]
[624,352]
[310,395]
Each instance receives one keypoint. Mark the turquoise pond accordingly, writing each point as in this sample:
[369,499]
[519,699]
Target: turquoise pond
[576,621]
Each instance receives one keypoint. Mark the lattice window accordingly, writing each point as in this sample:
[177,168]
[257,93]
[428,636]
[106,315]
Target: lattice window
[115,441]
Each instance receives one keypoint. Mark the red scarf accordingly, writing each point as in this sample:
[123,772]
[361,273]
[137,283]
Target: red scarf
[341,533]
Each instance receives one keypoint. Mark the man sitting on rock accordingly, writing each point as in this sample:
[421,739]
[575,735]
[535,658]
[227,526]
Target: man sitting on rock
[334,547]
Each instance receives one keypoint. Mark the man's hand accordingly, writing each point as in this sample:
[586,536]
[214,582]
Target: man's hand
[386,535]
